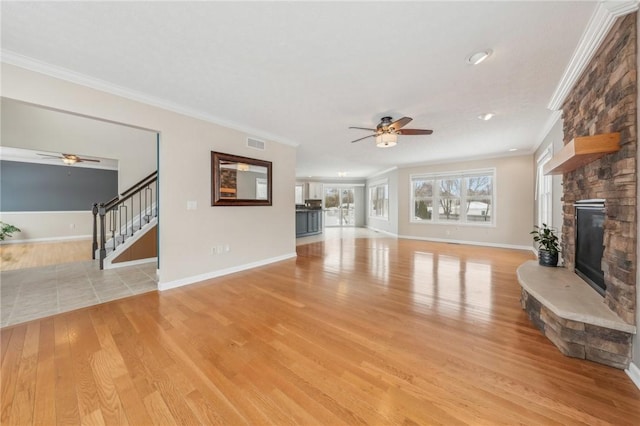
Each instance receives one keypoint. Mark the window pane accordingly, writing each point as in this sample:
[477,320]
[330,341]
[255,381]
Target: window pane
[479,186]
[450,187]
[422,188]
[479,210]
[379,196]
[449,209]
[423,210]
[331,198]
[299,198]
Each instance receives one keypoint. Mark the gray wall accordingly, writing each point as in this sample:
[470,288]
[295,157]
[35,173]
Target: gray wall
[29,187]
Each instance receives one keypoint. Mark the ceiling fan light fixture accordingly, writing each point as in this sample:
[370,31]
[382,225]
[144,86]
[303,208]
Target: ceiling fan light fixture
[386,140]
[69,160]
[479,57]
[243,167]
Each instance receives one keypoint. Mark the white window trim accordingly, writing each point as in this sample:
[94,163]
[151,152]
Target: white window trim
[542,159]
[370,186]
[457,174]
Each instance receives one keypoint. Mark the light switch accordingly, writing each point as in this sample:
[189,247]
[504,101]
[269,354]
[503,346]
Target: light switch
[192,205]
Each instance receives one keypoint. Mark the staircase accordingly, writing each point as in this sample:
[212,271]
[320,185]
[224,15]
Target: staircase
[124,221]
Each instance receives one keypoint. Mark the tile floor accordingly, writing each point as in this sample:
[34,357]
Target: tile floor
[27,294]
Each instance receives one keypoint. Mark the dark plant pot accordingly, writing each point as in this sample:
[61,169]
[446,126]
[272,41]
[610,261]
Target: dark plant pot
[546,258]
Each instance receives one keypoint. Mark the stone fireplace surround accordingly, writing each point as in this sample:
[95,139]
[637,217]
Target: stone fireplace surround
[603,100]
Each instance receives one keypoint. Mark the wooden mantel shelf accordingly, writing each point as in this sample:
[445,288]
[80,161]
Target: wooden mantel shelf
[581,151]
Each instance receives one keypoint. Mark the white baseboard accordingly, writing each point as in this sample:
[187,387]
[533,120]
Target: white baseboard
[634,373]
[49,239]
[214,274]
[470,243]
[382,231]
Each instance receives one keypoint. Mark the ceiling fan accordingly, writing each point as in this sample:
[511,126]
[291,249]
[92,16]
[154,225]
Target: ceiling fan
[387,132]
[70,158]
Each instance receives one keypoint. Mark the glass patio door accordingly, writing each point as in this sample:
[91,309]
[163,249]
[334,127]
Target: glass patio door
[339,206]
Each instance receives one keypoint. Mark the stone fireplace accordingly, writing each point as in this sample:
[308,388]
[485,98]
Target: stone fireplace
[578,320]
[603,101]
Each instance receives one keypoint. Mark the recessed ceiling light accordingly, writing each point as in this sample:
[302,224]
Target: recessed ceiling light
[513,149]
[478,57]
[487,116]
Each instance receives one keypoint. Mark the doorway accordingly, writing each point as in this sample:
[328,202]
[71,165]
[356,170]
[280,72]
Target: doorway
[339,206]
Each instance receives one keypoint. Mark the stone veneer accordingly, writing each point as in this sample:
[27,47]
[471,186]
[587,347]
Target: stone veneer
[577,339]
[573,317]
[604,100]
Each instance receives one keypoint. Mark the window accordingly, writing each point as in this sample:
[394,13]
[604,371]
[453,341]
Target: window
[298,196]
[462,197]
[379,201]
[544,186]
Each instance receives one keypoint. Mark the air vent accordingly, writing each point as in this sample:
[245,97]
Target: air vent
[255,144]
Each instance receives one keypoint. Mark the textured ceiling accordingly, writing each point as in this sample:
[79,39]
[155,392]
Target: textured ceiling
[303,72]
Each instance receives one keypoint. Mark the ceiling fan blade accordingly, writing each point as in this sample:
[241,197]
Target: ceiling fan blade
[414,132]
[50,156]
[357,140]
[398,124]
[80,160]
[363,128]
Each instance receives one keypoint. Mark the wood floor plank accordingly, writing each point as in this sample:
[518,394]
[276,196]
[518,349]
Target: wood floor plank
[5,338]
[31,255]
[9,372]
[67,411]
[23,401]
[44,411]
[353,331]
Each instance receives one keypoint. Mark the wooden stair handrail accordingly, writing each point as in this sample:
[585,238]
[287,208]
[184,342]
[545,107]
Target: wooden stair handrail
[142,182]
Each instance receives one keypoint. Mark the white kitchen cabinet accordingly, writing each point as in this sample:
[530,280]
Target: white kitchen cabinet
[314,191]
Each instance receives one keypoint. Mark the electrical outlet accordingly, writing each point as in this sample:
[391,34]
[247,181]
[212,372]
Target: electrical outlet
[72,226]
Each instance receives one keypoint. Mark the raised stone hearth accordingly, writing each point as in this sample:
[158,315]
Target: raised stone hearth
[573,316]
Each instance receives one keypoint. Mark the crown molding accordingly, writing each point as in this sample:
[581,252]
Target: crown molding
[548,125]
[31,64]
[382,172]
[597,29]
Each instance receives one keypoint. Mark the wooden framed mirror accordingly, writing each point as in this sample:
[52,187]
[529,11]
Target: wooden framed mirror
[239,181]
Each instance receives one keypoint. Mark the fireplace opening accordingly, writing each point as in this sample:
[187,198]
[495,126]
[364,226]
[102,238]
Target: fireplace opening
[589,242]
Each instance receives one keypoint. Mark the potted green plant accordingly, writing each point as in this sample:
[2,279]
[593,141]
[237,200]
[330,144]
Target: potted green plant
[547,241]
[6,230]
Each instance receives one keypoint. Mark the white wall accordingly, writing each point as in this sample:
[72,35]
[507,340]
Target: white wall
[254,234]
[49,226]
[391,224]
[514,207]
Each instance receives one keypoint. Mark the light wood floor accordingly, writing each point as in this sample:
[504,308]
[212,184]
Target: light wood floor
[375,331]
[31,255]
